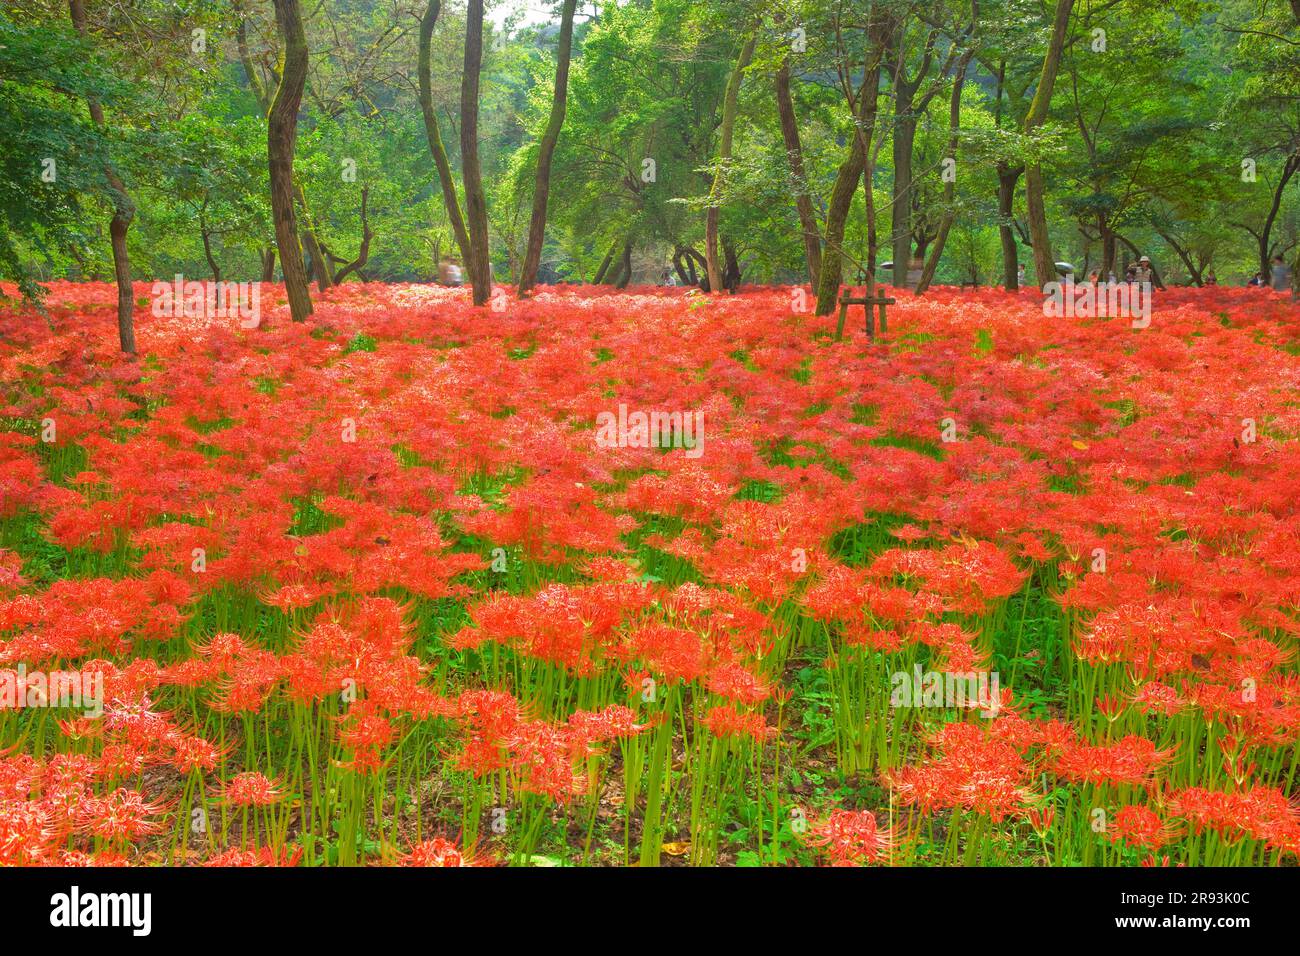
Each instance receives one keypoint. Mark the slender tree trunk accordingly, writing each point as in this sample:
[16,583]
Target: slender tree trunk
[950,188]
[605,263]
[1007,177]
[873,237]
[434,135]
[682,274]
[901,235]
[207,248]
[1288,170]
[363,253]
[1044,262]
[846,183]
[478,263]
[282,133]
[794,154]
[316,264]
[698,268]
[1109,249]
[123,214]
[731,271]
[730,106]
[319,262]
[1198,279]
[625,265]
[546,150]
[268,264]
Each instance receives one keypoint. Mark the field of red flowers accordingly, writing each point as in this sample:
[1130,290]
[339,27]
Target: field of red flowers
[386,587]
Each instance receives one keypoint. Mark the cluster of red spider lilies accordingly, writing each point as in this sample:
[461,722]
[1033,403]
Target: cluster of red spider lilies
[368,589]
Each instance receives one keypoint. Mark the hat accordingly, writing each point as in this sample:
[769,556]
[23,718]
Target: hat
[1145,259]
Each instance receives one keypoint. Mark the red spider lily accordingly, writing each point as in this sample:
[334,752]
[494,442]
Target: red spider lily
[852,838]
[588,727]
[1141,827]
[973,771]
[1131,761]
[348,585]
[435,852]
[262,856]
[251,789]
[731,722]
[119,816]
[738,684]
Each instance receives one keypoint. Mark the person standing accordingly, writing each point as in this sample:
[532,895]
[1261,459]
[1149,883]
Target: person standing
[449,273]
[1143,272]
[1281,275]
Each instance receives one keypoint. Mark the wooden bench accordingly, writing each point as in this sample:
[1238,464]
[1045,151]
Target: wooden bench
[866,301]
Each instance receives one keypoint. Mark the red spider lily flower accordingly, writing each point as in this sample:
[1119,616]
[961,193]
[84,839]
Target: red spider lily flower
[250,789]
[732,722]
[734,682]
[1042,819]
[25,832]
[852,838]
[1131,761]
[1141,827]
[435,852]
[613,722]
[366,734]
[292,597]
[119,816]
[260,857]
[1155,697]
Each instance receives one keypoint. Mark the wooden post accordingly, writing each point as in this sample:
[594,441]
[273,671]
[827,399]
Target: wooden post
[867,302]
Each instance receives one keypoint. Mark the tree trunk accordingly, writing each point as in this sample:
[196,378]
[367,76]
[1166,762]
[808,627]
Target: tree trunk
[1198,279]
[730,106]
[478,261]
[698,268]
[625,266]
[1288,170]
[1007,177]
[1109,248]
[873,238]
[731,272]
[268,264]
[901,235]
[363,254]
[546,150]
[207,248]
[123,214]
[846,183]
[1044,262]
[434,134]
[282,133]
[799,179]
[682,274]
[950,188]
[318,263]
[605,263]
